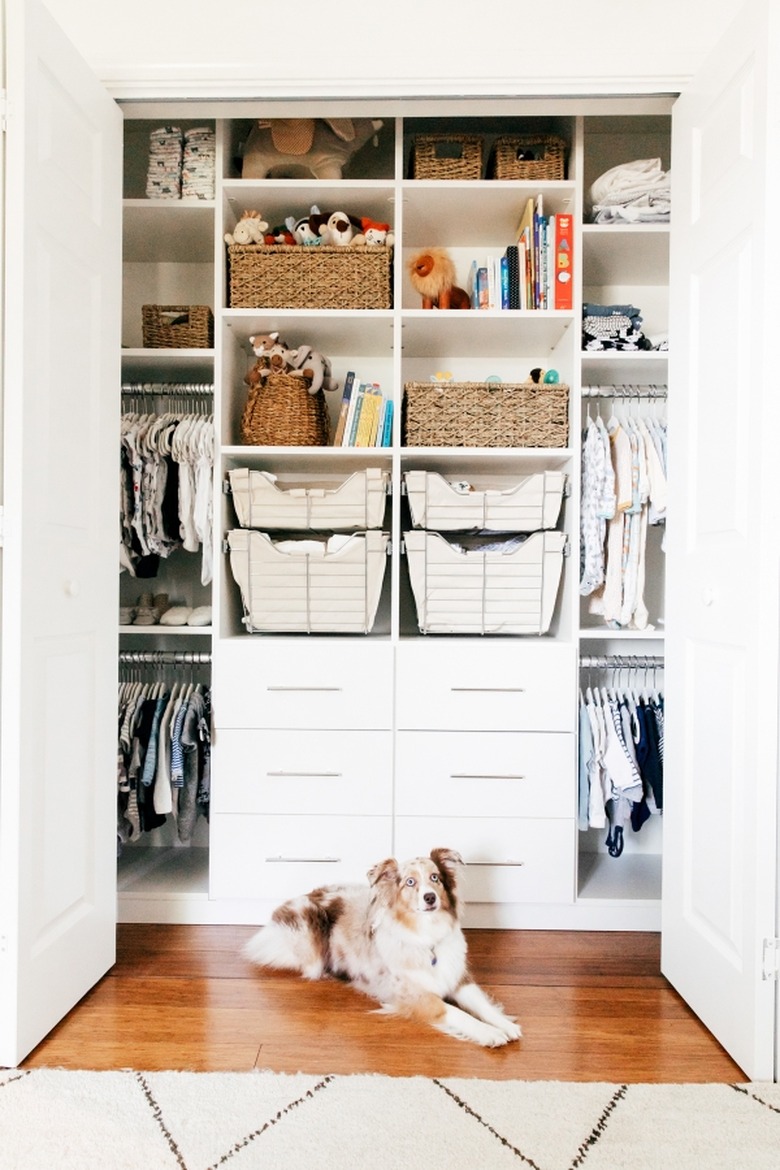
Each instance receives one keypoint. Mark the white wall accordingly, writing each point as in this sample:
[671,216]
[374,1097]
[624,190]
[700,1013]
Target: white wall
[415,47]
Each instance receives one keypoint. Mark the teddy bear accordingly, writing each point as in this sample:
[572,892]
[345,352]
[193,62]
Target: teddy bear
[250,229]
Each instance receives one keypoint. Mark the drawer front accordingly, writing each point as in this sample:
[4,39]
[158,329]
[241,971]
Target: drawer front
[486,773]
[486,686]
[277,858]
[509,860]
[348,773]
[313,683]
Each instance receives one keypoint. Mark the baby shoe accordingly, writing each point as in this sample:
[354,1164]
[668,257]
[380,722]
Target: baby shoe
[161,604]
[200,616]
[145,613]
[126,615]
[176,615]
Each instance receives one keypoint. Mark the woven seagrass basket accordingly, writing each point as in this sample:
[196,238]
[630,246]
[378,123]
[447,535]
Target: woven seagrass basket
[280,412]
[539,158]
[447,156]
[177,326]
[485,414]
[291,276]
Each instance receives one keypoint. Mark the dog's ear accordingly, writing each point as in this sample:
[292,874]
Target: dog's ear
[447,860]
[385,871]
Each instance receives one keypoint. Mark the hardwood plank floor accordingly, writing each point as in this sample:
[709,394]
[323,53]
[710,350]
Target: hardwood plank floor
[593,1007]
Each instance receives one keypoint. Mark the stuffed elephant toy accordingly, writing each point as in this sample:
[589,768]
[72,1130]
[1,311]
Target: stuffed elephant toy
[319,148]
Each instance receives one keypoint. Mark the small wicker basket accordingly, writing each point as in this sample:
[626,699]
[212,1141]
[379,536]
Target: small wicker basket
[537,158]
[485,414]
[177,326]
[280,412]
[447,156]
[291,276]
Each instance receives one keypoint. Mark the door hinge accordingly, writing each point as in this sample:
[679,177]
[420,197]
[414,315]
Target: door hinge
[770,963]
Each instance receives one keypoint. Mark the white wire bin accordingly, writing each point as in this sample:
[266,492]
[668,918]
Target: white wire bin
[308,586]
[448,505]
[357,503]
[474,591]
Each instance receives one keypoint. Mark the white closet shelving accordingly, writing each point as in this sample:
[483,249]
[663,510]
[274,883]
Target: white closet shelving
[313,706]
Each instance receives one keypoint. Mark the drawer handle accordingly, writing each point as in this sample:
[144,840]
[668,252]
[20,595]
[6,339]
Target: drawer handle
[486,776]
[491,690]
[304,688]
[495,864]
[324,775]
[304,860]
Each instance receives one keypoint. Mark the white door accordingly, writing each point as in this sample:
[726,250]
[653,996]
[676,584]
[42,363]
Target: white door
[721,743]
[59,562]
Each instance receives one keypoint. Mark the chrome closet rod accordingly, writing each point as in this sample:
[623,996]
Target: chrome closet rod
[624,391]
[164,657]
[621,661]
[167,389]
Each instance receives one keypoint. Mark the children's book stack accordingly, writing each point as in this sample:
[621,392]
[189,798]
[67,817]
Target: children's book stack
[365,417]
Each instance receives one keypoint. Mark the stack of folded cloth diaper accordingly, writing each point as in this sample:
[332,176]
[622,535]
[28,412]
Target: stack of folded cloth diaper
[197,173]
[163,176]
[635,192]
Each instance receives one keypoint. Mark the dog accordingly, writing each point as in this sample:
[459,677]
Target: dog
[398,940]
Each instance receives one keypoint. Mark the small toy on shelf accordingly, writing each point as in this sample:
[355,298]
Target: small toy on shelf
[373,232]
[250,229]
[306,230]
[550,377]
[339,229]
[316,148]
[432,274]
[314,367]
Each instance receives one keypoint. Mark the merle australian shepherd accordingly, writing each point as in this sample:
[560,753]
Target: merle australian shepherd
[398,939]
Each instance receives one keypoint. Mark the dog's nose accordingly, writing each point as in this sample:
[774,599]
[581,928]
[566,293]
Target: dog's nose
[429,898]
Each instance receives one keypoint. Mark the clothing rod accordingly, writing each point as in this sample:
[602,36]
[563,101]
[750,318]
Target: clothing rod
[626,391]
[621,661]
[170,389]
[164,657]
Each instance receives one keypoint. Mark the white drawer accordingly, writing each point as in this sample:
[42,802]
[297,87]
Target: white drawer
[277,858]
[486,686]
[486,773]
[327,772]
[520,860]
[310,683]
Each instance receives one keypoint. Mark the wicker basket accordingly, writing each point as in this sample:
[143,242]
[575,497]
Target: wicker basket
[547,154]
[447,156]
[280,412]
[485,414]
[177,326]
[291,276]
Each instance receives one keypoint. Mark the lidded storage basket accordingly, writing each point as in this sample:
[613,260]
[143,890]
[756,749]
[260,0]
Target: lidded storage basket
[538,158]
[177,326]
[294,276]
[447,156]
[486,414]
[280,412]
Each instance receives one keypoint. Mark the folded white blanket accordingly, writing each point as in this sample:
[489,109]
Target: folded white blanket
[635,192]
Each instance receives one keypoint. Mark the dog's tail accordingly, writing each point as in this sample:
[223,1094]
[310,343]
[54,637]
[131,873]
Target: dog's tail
[277,945]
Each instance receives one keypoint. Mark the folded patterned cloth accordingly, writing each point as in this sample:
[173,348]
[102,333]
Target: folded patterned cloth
[635,192]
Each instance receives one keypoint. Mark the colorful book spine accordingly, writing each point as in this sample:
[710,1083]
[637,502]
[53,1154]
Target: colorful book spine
[563,295]
[387,424]
[344,408]
[353,418]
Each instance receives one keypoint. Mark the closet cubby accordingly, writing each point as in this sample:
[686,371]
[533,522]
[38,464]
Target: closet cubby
[349,686]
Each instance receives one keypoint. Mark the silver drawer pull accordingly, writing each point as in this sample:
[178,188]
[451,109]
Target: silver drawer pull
[316,775]
[486,776]
[491,690]
[495,864]
[304,860]
[304,688]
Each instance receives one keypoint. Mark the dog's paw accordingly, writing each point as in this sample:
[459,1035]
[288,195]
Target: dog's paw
[512,1030]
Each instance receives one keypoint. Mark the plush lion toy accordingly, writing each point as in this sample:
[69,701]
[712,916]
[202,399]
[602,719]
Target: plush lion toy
[432,274]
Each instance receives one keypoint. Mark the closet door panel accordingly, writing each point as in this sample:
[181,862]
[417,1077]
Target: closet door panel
[59,660]
[720,813]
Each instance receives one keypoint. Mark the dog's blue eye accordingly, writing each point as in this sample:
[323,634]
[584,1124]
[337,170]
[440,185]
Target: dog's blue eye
[434,877]
[410,882]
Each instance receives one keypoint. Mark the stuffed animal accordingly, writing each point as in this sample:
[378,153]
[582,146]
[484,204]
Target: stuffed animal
[273,355]
[248,230]
[314,367]
[432,274]
[307,229]
[291,148]
[280,234]
[373,232]
[339,229]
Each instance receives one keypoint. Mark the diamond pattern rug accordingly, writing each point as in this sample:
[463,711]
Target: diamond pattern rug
[57,1120]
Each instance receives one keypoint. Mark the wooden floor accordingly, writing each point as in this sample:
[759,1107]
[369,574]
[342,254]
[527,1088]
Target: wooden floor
[593,1007]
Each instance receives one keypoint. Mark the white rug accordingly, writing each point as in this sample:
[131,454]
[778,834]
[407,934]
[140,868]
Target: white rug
[56,1120]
